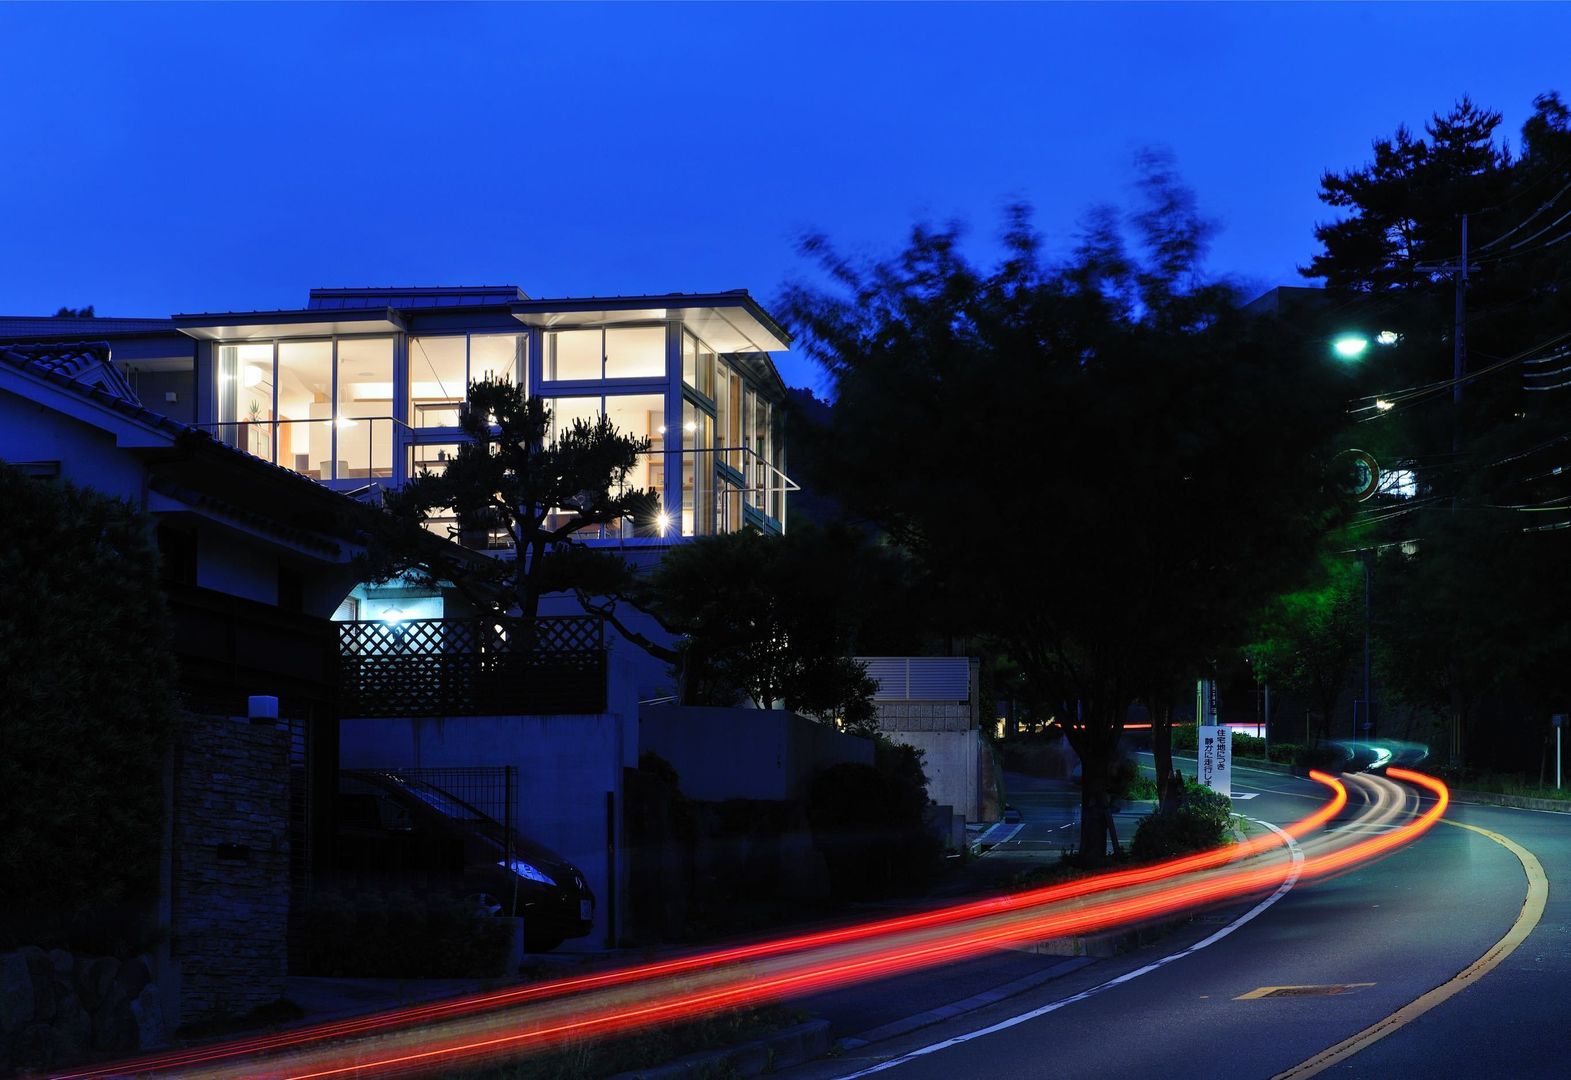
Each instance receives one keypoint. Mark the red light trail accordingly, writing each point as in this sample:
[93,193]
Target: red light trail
[542,1016]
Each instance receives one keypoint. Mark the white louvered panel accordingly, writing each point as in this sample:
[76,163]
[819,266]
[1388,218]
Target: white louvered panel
[938,678]
[890,674]
[920,678]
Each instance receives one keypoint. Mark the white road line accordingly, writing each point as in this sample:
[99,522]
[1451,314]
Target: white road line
[1013,1021]
[988,838]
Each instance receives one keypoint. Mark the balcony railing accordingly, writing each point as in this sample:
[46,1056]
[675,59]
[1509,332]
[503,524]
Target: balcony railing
[325,448]
[472,667]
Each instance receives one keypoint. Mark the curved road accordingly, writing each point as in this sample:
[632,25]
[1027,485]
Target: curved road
[1325,962]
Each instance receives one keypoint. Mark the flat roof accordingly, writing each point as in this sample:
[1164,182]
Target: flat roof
[256,325]
[730,322]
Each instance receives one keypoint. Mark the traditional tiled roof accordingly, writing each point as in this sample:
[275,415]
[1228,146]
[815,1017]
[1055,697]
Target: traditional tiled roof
[32,327]
[85,363]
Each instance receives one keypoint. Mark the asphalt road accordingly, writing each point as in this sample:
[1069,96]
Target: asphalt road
[1354,950]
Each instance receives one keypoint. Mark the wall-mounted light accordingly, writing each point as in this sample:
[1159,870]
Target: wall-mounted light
[663,522]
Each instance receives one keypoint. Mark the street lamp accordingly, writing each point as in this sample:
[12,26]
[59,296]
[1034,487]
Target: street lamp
[1352,345]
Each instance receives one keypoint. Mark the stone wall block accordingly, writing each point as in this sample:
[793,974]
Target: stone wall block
[94,978]
[114,1027]
[41,973]
[148,1011]
[73,1026]
[16,993]
[64,964]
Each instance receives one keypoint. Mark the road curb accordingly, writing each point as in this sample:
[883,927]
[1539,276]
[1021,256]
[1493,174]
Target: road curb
[793,1046]
[1517,802]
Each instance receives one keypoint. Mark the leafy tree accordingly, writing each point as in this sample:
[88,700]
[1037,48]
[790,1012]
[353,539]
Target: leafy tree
[1486,465]
[774,618]
[1309,642]
[75,313]
[1108,466]
[87,707]
[510,475]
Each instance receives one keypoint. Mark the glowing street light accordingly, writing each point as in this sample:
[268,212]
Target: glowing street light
[1350,346]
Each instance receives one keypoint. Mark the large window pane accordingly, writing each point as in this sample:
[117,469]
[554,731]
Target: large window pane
[706,370]
[365,406]
[761,441]
[635,352]
[698,471]
[642,416]
[305,407]
[565,410]
[749,442]
[728,406]
[777,491]
[245,405]
[572,354]
[499,356]
[437,381]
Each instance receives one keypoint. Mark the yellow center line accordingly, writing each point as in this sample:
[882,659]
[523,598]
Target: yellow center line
[1526,920]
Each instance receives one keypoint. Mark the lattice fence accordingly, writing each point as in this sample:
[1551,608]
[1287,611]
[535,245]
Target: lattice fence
[472,667]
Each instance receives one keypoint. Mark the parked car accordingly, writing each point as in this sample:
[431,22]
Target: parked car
[399,829]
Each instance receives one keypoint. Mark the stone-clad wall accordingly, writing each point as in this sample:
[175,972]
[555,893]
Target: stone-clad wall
[926,715]
[230,866]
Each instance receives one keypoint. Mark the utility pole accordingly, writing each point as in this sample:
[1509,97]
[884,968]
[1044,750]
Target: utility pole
[1458,364]
[1368,613]
[1458,338]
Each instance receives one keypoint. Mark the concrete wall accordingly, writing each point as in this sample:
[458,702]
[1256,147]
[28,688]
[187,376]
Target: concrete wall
[228,864]
[567,765]
[952,762]
[745,753]
[947,732]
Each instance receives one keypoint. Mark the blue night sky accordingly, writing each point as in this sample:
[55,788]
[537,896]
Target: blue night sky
[190,158]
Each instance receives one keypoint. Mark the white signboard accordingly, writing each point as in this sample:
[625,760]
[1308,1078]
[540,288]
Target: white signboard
[1214,747]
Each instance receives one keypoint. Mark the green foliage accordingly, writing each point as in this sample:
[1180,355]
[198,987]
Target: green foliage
[1327,757]
[868,821]
[1202,822]
[1469,598]
[87,708]
[510,475]
[1185,738]
[1094,524]
[777,618]
[401,934]
[1309,642]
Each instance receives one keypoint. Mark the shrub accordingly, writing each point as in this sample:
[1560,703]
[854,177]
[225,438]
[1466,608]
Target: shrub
[87,708]
[868,823]
[1248,746]
[1185,738]
[1204,821]
[401,934]
[1324,756]
[1286,752]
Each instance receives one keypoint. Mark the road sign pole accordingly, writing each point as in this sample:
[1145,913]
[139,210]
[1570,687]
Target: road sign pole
[1559,720]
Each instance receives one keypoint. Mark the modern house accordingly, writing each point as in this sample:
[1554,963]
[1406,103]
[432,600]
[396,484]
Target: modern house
[258,441]
[362,387]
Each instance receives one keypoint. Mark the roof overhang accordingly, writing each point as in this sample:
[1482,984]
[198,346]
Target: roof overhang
[265,325]
[730,322]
